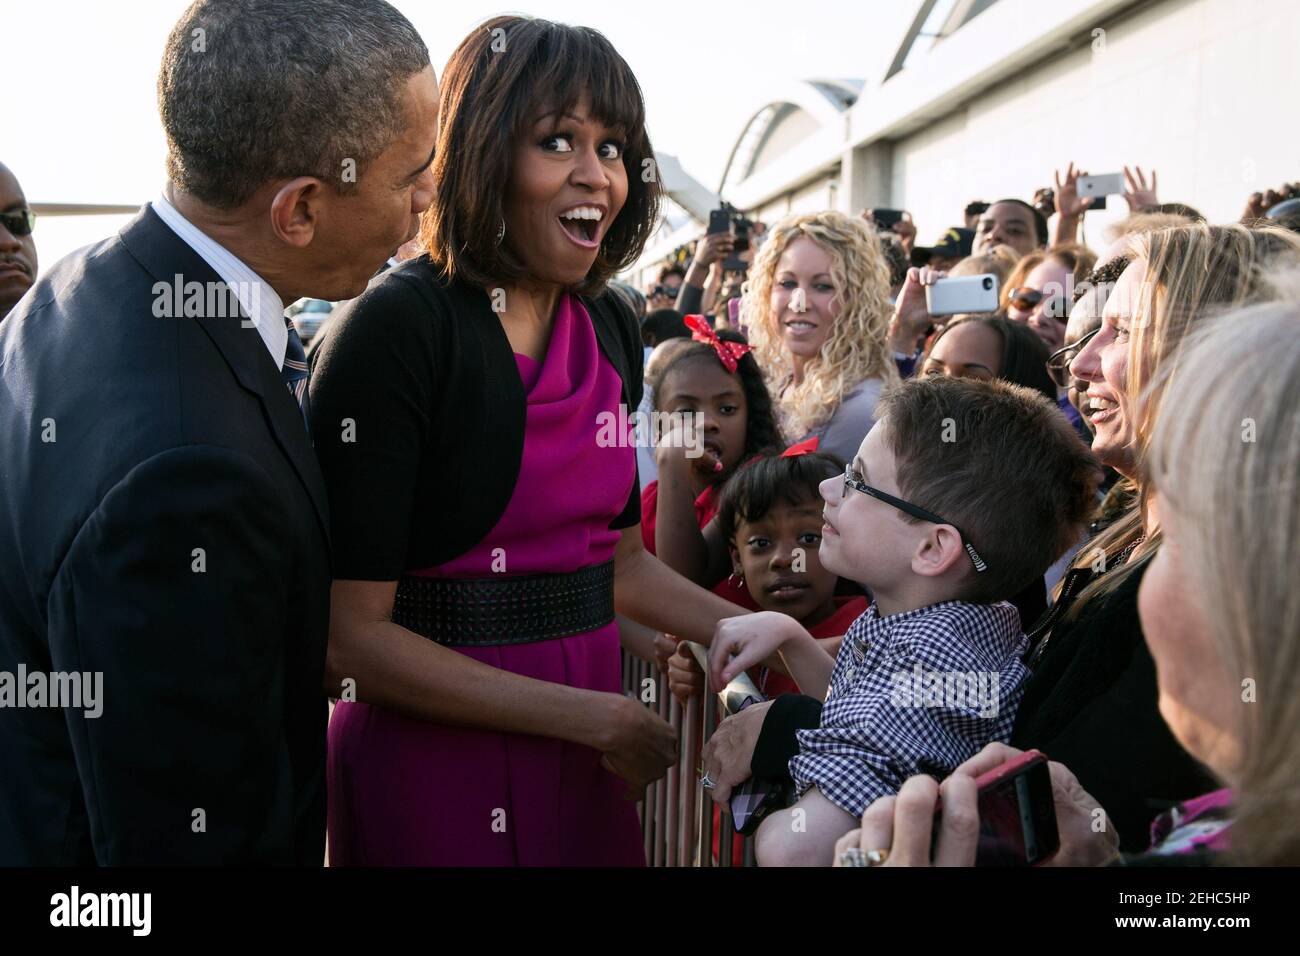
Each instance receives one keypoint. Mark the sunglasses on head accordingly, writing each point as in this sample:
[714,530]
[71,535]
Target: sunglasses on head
[20,223]
[851,480]
[1058,363]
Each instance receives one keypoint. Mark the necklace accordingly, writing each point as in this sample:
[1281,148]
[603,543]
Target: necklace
[1124,555]
[1120,558]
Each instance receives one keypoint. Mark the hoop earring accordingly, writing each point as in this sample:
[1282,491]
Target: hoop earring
[737,580]
[501,233]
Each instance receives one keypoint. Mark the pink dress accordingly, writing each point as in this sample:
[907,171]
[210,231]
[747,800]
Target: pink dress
[404,791]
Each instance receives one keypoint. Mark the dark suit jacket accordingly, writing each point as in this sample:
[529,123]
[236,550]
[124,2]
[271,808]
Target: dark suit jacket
[172,536]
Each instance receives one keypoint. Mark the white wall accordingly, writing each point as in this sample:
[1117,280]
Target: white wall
[1203,90]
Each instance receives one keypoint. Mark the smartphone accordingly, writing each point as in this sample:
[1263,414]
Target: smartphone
[1017,813]
[1108,184]
[963,294]
[719,221]
[752,800]
[885,218]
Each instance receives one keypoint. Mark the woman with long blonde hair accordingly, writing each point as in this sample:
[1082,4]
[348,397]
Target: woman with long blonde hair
[1090,702]
[816,309]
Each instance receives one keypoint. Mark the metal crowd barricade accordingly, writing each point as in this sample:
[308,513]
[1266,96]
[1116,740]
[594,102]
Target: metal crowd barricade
[676,814]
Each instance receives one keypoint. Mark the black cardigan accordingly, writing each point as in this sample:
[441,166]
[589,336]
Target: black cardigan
[418,415]
[1091,704]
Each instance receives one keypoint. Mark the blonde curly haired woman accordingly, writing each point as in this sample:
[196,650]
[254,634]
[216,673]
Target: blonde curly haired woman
[817,311]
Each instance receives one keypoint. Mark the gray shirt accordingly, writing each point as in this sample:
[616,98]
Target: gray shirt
[843,432]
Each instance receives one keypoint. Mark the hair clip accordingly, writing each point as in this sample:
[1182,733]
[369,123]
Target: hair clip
[729,353]
[801,448]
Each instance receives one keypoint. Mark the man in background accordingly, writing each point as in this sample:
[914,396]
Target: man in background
[17,247]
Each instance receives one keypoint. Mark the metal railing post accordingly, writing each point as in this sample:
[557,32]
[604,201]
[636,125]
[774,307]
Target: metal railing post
[671,800]
[709,706]
[687,781]
[661,789]
[676,814]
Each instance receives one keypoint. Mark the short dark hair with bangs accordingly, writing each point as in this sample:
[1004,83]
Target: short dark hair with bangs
[753,490]
[1001,463]
[500,77]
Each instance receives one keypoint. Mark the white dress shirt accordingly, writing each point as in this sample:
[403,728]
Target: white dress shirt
[258,300]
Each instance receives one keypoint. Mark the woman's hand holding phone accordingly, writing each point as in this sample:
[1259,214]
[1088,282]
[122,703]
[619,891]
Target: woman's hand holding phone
[904,824]
[911,314]
[1087,835]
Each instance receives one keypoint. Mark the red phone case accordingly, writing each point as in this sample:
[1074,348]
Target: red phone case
[1008,769]
[992,778]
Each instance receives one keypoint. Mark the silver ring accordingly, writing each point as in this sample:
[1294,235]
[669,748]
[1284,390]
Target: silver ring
[707,783]
[853,856]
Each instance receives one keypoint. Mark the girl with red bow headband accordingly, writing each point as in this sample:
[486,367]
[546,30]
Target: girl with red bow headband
[717,414]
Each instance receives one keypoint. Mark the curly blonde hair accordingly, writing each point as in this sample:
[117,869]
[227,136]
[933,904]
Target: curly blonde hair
[857,348]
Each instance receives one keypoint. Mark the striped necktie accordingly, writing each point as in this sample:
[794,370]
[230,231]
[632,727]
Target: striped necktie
[294,373]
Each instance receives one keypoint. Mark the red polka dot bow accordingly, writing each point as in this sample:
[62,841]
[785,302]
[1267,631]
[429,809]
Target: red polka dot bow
[729,353]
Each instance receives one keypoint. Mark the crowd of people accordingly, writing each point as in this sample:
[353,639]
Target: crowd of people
[379,589]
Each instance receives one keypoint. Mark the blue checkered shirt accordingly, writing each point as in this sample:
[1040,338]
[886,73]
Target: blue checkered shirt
[916,692]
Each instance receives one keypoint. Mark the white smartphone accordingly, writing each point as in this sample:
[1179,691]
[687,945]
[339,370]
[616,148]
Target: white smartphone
[963,294]
[1108,184]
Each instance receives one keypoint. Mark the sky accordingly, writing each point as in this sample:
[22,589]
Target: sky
[83,125]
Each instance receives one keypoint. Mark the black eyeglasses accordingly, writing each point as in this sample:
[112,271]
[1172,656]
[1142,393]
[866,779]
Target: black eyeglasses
[851,480]
[20,223]
[1058,363]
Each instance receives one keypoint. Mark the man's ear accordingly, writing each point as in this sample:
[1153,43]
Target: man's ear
[938,551]
[296,210]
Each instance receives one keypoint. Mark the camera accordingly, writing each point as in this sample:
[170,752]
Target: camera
[727,218]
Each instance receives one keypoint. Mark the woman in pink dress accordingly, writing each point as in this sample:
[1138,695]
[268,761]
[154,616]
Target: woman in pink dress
[484,502]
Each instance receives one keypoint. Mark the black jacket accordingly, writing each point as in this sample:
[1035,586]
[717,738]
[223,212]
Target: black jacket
[172,537]
[418,413]
[1091,704]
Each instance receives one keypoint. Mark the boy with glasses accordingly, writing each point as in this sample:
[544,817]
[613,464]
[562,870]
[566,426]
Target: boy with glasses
[959,497]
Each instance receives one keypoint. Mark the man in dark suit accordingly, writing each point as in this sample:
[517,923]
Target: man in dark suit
[162,516]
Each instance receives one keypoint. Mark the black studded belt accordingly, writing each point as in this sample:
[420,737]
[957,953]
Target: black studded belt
[517,610]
